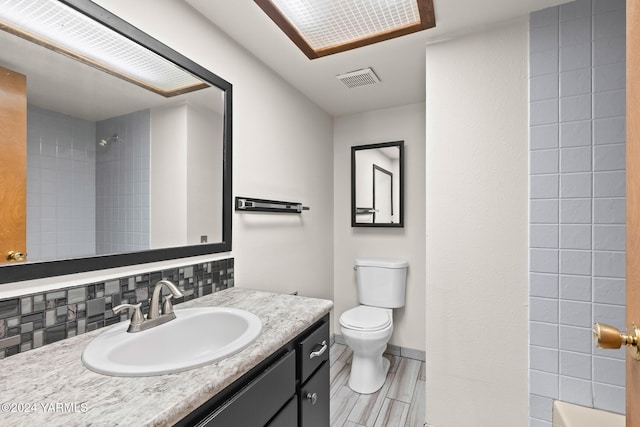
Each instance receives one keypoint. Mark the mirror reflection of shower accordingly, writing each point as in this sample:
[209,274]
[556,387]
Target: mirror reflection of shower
[104,142]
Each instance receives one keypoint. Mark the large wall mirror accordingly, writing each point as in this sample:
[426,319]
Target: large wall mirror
[127,142]
[377,185]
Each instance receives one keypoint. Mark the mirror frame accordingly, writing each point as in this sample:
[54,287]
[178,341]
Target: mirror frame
[354,150]
[38,270]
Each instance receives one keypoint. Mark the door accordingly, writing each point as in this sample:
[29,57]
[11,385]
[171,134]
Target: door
[633,202]
[13,165]
[608,337]
[382,195]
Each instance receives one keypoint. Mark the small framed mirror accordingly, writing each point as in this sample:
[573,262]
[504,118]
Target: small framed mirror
[377,185]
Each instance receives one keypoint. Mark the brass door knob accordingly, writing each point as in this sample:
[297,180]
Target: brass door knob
[15,256]
[609,337]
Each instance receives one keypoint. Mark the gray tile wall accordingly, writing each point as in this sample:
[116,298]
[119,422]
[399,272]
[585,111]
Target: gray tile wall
[122,184]
[577,204]
[70,180]
[33,320]
[60,191]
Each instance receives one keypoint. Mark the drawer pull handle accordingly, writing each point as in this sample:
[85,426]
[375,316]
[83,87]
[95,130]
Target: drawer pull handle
[319,352]
[312,397]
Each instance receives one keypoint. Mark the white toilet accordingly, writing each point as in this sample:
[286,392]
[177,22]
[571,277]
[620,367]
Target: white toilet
[381,285]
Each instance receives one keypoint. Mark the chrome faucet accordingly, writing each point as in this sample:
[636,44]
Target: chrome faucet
[167,307]
[154,317]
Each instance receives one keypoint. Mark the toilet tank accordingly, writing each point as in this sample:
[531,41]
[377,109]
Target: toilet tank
[381,282]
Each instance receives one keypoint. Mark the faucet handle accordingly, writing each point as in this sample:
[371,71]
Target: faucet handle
[167,307]
[137,318]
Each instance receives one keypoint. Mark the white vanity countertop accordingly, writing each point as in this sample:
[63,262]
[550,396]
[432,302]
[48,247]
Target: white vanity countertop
[50,385]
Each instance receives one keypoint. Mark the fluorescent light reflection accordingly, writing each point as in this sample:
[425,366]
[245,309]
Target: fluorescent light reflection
[61,28]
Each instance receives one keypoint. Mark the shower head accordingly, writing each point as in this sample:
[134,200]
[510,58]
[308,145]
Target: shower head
[106,141]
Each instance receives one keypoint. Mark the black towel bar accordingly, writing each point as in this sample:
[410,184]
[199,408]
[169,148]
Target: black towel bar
[249,204]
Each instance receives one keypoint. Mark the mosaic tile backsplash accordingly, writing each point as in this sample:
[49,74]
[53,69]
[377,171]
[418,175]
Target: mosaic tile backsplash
[31,321]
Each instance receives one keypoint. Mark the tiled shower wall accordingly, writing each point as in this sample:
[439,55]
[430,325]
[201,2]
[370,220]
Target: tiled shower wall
[60,185]
[83,199]
[31,321]
[122,184]
[577,204]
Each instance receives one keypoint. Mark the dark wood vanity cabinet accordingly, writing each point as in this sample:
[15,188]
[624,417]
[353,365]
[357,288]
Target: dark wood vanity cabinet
[314,399]
[289,388]
[313,389]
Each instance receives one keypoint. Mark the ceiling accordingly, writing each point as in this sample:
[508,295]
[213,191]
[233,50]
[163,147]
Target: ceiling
[399,63]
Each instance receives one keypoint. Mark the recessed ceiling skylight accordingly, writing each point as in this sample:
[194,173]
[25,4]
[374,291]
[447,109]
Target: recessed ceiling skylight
[321,28]
[52,24]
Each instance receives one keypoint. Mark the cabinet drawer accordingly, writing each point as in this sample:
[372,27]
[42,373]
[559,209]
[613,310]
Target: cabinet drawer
[314,350]
[259,400]
[314,399]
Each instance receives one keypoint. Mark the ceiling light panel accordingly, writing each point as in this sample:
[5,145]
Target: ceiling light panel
[54,25]
[335,22]
[324,27]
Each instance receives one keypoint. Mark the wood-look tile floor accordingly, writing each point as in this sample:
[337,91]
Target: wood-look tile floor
[400,402]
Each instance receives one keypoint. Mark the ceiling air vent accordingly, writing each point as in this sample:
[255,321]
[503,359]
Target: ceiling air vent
[364,77]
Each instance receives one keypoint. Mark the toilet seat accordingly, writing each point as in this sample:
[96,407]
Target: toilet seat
[366,318]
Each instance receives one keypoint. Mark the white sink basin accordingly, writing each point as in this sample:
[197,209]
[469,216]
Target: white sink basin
[196,337]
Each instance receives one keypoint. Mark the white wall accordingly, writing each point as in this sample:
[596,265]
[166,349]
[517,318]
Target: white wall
[204,209]
[183,205]
[394,124]
[476,229]
[168,172]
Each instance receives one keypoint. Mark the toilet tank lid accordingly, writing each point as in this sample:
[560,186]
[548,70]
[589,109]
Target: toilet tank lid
[381,262]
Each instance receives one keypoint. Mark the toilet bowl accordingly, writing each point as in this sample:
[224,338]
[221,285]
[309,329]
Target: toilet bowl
[367,330]
[381,285]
